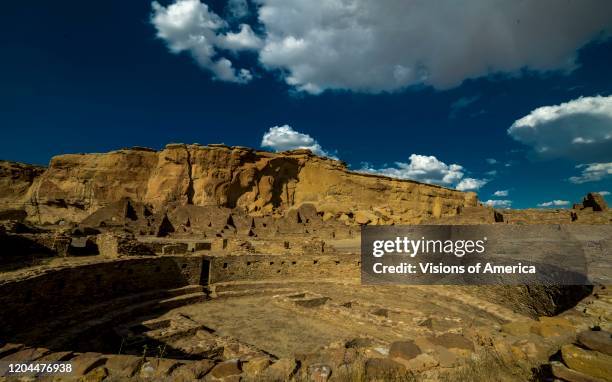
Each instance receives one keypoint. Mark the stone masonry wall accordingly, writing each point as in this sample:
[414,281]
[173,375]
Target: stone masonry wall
[278,267]
[50,294]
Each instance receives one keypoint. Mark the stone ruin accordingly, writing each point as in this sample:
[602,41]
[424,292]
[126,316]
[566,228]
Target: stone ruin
[265,286]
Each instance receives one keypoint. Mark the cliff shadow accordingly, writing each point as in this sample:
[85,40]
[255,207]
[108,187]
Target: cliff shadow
[281,171]
[68,309]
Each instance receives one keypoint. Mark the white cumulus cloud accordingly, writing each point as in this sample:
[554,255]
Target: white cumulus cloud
[190,26]
[245,38]
[604,193]
[374,46]
[501,193]
[592,172]
[422,168]
[554,203]
[471,184]
[580,129]
[283,138]
[428,169]
[499,203]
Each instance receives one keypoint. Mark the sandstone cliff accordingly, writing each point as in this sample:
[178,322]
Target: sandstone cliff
[258,182]
[16,180]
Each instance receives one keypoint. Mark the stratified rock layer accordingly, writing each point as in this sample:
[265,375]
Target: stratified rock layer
[15,182]
[261,183]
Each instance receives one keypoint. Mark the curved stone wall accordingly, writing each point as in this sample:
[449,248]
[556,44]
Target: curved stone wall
[59,291]
[65,291]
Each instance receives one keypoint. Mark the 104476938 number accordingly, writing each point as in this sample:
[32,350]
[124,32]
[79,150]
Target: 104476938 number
[36,368]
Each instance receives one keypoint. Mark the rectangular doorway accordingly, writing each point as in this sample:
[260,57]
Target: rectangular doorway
[205,274]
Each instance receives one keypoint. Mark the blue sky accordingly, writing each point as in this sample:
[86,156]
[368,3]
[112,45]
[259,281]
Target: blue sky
[432,92]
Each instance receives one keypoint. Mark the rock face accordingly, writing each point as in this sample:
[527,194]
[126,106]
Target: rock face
[600,341]
[404,350]
[261,183]
[595,201]
[592,363]
[15,182]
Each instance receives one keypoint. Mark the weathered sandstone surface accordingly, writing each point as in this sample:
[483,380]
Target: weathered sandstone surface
[15,182]
[258,182]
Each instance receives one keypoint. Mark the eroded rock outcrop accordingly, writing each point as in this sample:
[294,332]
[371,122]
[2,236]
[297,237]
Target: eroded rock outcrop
[594,201]
[258,182]
[15,183]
